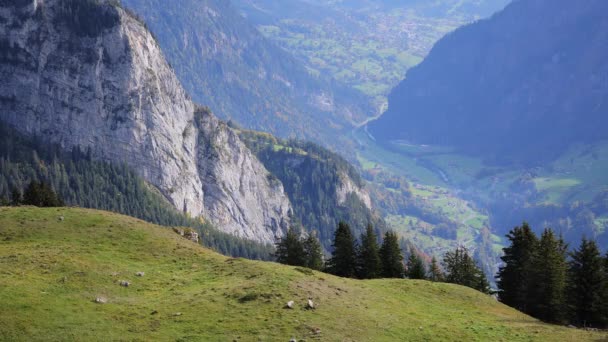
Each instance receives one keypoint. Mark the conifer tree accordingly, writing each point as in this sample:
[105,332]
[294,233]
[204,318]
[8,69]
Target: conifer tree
[342,262]
[435,273]
[290,250]
[514,285]
[461,269]
[16,197]
[392,259]
[415,266]
[586,283]
[41,195]
[368,256]
[549,278]
[313,252]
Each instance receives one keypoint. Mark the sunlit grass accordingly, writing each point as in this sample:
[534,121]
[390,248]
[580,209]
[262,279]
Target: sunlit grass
[52,269]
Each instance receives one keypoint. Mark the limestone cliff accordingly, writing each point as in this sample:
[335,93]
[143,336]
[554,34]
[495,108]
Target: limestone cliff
[86,73]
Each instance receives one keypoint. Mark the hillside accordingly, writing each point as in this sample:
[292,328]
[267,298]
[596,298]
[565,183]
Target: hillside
[521,86]
[365,44]
[53,269]
[88,74]
[323,187]
[225,63]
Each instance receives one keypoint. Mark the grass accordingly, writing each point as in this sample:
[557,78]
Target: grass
[52,270]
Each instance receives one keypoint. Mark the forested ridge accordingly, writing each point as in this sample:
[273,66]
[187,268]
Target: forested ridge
[311,176]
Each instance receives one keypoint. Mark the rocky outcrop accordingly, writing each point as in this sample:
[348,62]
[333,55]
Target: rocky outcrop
[347,186]
[84,74]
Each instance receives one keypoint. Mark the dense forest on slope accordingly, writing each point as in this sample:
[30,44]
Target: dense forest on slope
[317,182]
[82,181]
[521,85]
[226,64]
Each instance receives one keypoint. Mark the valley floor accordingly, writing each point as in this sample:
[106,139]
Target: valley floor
[55,262]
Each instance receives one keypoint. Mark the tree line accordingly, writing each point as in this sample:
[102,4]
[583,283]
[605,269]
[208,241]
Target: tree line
[366,258]
[543,279]
[31,170]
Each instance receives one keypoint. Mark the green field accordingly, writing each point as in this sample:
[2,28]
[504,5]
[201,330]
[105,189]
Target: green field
[52,270]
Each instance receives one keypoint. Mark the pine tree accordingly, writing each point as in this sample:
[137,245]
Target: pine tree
[41,195]
[16,197]
[586,283]
[435,273]
[342,262]
[605,293]
[392,259]
[461,269]
[290,250]
[368,256]
[549,279]
[514,277]
[415,266]
[313,252]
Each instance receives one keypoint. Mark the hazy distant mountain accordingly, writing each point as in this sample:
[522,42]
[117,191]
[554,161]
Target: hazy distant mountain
[224,62]
[524,83]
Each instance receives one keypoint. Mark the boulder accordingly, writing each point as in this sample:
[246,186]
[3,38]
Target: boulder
[290,304]
[100,300]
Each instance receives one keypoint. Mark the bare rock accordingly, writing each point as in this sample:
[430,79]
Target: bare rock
[119,97]
[100,300]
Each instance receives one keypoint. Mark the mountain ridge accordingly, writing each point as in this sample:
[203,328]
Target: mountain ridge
[87,74]
[524,74]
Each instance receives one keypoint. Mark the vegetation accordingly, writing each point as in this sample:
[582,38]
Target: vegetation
[415,267]
[461,269]
[88,17]
[343,259]
[52,271]
[247,78]
[369,265]
[538,279]
[294,250]
[367,47]
[79,180]
[391,257]
[312,176]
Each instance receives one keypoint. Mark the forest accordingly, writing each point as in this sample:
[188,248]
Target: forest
[81,181]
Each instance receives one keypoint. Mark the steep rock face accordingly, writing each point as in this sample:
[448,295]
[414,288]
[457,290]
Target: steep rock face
[347,186]
[225,63]
[83,74]
[523,84]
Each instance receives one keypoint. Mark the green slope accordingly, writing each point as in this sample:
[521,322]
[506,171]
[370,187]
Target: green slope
[52,269]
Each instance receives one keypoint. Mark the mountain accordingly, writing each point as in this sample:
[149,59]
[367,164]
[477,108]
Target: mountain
[323,187]
[522,85]
[54,269]
[224,62]
[87,74]
[81,181]
[365,44]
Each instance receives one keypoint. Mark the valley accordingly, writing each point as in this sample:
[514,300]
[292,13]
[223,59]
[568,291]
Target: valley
[384,153]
